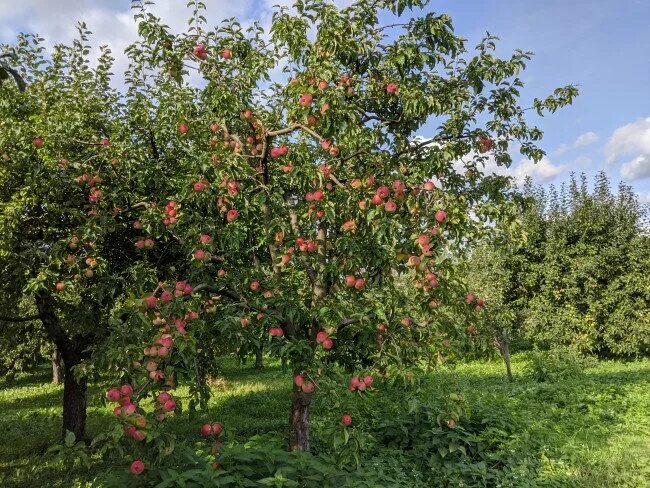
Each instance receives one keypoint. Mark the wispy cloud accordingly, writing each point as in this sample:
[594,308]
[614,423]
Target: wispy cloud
[631,139]
[582,140]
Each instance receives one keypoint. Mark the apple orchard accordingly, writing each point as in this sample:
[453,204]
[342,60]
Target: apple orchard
[292,203]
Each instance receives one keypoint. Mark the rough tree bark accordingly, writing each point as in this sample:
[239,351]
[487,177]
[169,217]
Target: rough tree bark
[75,392]
[299,421]
[56,366]
[72,352]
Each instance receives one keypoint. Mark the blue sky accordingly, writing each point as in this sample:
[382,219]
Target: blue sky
[601,45]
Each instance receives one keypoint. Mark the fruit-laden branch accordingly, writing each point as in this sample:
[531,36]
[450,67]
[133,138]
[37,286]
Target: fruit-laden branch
[349,321]
[416,147]
[293,128]
[236,298]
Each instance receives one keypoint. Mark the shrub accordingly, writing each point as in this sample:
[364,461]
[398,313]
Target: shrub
[560,363]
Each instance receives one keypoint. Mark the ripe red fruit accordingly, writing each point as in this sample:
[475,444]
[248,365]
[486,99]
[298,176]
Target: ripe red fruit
[199,51]
[151,302]
[226,54]
[204,238]
[38,142]
[318,195]
[326,144]
[350,280]
[170,405]
[469,298]
[309,387]
[183,128]
[360,283]
[126,390]
[217,428]
[376,200]
[346,419]
[232,215]
[485,144]
[129,409]
[305,100]
[328,343]
[390,206]
[367,380]
[138,436]
[255,285]
[164,396]
[104,141]
[299,380]
[321,336]
[166,296]
[113,395]
[429,186]
[322,85]
[137,467]
[60,286]
[391,88]
[206,430]
[130,430]
[383,191]
[441,216]
[199,186]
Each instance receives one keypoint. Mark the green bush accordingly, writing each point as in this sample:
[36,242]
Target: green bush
[560,363]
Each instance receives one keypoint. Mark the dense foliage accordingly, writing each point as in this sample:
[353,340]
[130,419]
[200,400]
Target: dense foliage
[577,272]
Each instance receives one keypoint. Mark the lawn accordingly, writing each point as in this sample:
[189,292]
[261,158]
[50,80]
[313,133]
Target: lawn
[591,431]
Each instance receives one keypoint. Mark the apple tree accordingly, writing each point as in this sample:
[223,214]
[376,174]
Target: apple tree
[68,246]
[306,173]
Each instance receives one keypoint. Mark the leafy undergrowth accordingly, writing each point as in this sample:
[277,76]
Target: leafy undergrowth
[592,430]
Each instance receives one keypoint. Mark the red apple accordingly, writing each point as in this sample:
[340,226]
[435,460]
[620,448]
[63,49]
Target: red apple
[391,88]
[206,430]
[38,142]
[346,419]
[226,54]
[113,395]
[441,216]
[360,283]
[390,206]
[137,467]
[183,128]
[305,100]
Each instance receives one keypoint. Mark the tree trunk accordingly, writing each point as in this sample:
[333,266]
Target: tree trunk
[56,366]
[504,349]
[74,401]
[259,358]
[299,421]
[72,351]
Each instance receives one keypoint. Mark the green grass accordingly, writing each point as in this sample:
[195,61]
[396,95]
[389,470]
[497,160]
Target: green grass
[593,431]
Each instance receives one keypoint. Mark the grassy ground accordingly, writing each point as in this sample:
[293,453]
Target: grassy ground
[592,432]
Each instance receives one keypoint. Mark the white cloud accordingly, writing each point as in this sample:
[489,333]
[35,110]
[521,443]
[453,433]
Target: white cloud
[632,138]
[636,169]
[583,140]
[542,172]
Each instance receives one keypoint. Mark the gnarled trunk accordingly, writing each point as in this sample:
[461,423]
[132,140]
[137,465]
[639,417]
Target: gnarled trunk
[74,400]
[56,366]
[299,421]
